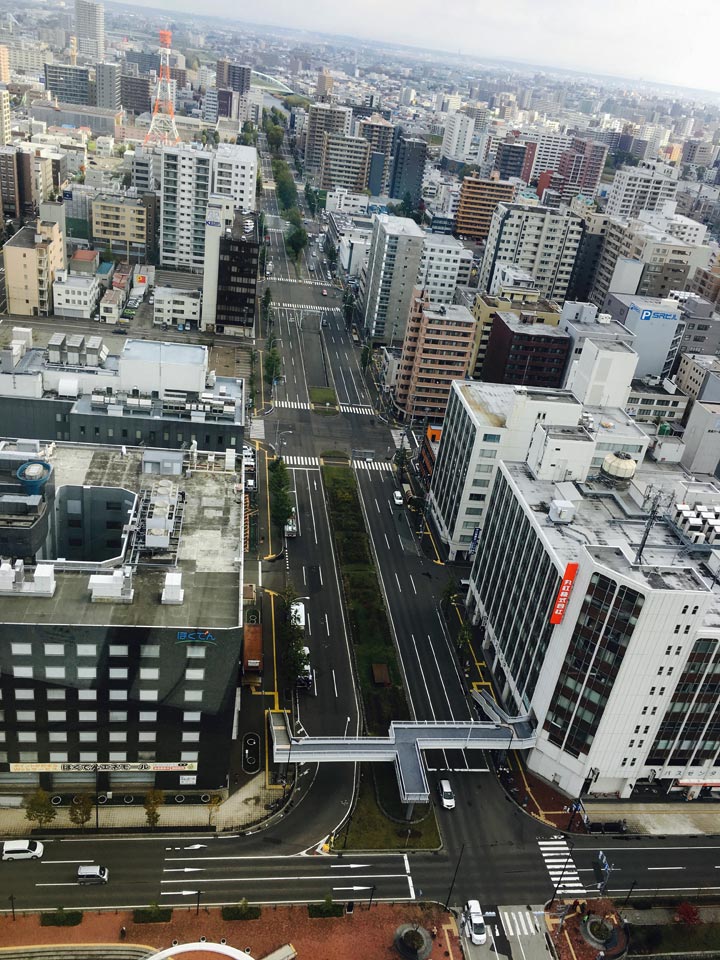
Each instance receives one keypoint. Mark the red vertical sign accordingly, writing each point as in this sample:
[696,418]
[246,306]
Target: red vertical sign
[563,595]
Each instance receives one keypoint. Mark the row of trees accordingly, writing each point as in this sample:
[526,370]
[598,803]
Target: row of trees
[292,640]
[280,499]
[40,809]
[285,189]
[273,122]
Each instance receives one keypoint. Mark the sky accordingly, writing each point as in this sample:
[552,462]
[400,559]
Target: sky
[658,40]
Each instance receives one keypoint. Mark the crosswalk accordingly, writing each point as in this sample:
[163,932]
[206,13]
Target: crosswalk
[399,437]
[313,463]
[307,283]
[519,923]
[257,429]
[292,405]
[305,307]
[308,462]
[359,408]
[561,867]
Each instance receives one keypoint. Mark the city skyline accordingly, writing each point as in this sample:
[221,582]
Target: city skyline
[517,33]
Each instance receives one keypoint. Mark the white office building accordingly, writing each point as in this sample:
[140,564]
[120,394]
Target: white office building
[175,308]
[236,174]
[540,240]
[445,265]
[75,295]
[457,139]
[612,646]
[90,29]
[646,187]
[392,272]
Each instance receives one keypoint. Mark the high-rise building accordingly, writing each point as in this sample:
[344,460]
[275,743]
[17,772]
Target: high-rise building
[544,154]
[186,185]
[126,226]
[108,93]
[9,182]
[323,118]
[445,264]
[581,167]
[324,86]
[235,174]
[90,29]
[345,162]
[539,240]
[701,153]
[136,93]
[648,186]
[190,174]
[510,158]
[650,256]
[658,327]
[4,64]
[457,139]
[232,250]
[233,76]
[436,350]
[5,117]
[524,350]
[379,133]
[395,253]
[68,84]
[31,258]
[408,168]
[478,201]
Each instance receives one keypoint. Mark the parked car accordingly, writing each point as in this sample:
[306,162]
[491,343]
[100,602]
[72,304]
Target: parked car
[92,873]
[397,498]
[447,797]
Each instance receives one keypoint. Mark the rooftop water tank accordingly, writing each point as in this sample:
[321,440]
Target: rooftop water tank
[33,475]
[619,468]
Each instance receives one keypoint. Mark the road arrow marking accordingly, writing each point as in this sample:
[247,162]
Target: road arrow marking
[183,869]
[354,889]
[181,893]
[196,846]
[348,866]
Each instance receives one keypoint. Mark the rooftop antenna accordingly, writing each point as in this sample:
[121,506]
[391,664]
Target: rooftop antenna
[650,523]
[162,127]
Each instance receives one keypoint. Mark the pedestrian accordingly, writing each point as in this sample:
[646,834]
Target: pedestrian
[123,933]
[434,931]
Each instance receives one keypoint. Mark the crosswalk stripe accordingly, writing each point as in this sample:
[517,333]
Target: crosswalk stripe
[560,865]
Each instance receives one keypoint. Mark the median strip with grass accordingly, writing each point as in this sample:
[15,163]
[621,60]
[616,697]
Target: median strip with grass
[369,627]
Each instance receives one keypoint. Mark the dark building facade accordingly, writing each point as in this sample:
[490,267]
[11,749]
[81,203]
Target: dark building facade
[408,168]
[510,159]
[237,274]
[9,182]
[233,76]
[525,353]
[67,83]
[136,93]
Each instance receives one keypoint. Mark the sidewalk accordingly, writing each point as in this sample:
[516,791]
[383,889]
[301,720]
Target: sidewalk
[246,807]
[365,933]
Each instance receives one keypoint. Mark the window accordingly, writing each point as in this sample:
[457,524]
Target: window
[150,650]
[117,694]
[147,736]
[149,673]
[188,756]
[24,673]
[117,673]
[190,736]
[57,736]
[117,736]
[53,694]
[55,673]
[86,673]
[148,716]
[87,694]
[54,649]
[56,716]
[192,716]
[26,736]
[119,757]
[21,649]
[491,438]
[58,757]
[87,736]
[118,650]
[195,674]
[193,696]
[86,649]
[196,653]
[87,716]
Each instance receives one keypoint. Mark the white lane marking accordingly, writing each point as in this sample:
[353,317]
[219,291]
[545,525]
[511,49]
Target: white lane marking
[377,505]
[49,863]
[321,578]
[327,625]
[310,877]
[334,683]
[439,673]
[422,674]
[413,583]
[59,884]
[398,583]
[666,868]
[312,509]
[409,878]
[387,542]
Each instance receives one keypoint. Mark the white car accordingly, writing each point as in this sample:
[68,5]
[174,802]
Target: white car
[22,850]
[397,498]
[474,923]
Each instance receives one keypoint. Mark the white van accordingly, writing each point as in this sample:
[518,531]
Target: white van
[447,797]
[22,850]
[92,873]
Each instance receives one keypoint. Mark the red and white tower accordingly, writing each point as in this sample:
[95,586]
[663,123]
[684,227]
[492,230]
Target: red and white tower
[162,127]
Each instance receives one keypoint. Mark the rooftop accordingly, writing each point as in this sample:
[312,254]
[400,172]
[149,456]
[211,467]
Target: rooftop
[609,523]
[209,545]
[162,351]
[494,402]
[520,325]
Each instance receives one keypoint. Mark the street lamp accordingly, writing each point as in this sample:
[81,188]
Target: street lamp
[278,434]
[347,724]
[452,883]
[568,859]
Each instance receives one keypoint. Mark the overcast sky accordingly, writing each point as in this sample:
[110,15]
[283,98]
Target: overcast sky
[655,40]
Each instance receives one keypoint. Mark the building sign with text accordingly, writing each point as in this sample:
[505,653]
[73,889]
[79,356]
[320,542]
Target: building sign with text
[100,767]
[563,595]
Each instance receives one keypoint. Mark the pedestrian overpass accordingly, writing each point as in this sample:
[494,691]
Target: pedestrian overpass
[405,743]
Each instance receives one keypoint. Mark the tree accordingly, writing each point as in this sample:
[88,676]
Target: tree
[154,799]
[311,199]
[266,302]
[464,637]
[275,136]
[296,242]
[273,365]
[288,595]
[38,808]
[281,503]
[331,251]
[258,182]
[213,807]
[449,595]
[402,458]
[81,811]
[687,913]
[348,305]
[295,217]
[365,358]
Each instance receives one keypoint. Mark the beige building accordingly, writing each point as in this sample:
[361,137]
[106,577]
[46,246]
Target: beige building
[478,200]
[323,118]
[699,376]
[125,225]
[4,64]
[379,133]
[32,258]
[345,162]
[436,350]
[5,116]
[521,302]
